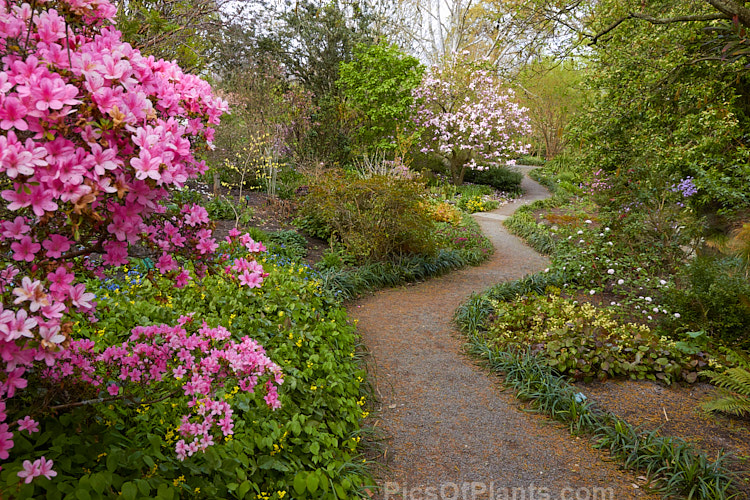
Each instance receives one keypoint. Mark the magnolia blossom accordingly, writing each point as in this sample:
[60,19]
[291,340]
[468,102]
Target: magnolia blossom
[469,119]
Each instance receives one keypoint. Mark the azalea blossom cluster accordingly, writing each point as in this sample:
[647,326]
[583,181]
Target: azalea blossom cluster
[247,272]
[93,137]
[200,362]
[468,117]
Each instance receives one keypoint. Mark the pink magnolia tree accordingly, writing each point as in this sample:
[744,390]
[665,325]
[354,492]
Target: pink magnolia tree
[93,137]
[468,118]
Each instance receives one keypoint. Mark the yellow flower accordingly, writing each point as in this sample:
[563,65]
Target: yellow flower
[313,387]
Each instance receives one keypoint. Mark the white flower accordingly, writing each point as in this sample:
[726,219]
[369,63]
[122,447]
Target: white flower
[592,292]
[546,270]
[587,221]
[677,315]
[580,232]
[610,243]
[620,281]
[606,229]
[656,309]
[662,282]
[610,271]
[649,317]
[581,241]
[648,299]
[613,303]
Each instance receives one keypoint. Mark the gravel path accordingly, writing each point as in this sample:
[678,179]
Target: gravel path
[452,433]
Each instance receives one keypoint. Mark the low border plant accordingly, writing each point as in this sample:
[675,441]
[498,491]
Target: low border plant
[675,467]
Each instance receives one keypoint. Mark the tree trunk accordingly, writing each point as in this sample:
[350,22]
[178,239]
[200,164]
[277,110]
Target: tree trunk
[458,160]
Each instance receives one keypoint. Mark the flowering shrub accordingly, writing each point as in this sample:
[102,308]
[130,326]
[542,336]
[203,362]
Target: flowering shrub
[467,117]
[94,137]
[128,446]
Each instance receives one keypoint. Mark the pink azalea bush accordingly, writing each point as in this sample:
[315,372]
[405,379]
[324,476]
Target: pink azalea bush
[469,118]
[94,137]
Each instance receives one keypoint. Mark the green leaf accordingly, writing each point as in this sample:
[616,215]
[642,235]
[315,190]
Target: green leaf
[243,489]
[129,491]
[165,492]
[99,482]
[299,483]
[83,494]
[143,487]
[312,482]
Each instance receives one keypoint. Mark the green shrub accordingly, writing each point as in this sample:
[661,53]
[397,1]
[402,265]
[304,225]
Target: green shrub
[459,246]
[713,295]
[500,178]
[374,219]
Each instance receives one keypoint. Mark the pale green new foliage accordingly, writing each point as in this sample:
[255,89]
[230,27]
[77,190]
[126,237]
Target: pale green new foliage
[377,83]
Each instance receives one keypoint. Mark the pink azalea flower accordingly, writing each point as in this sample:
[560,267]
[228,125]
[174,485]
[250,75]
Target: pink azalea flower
[30,471]
[12,114]
[16,229]
[181,280]
[166,263]
[14,381]
[50,335]
[18,327]
[252,280]
[146,165]
[6,440]
[32,291]
[28,424]
[45,468]
[25,249]
[56,245]
[113,389]
[80,297]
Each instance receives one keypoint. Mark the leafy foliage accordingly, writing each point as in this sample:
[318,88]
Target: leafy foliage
[659,107]
[378,83]
[586,342]
[713,295]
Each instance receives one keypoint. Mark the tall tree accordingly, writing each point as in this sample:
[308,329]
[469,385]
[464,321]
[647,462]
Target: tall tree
[378,85]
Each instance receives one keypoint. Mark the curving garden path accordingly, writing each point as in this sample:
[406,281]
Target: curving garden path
[451,432]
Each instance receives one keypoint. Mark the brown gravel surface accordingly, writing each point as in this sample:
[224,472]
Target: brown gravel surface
[450,430]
